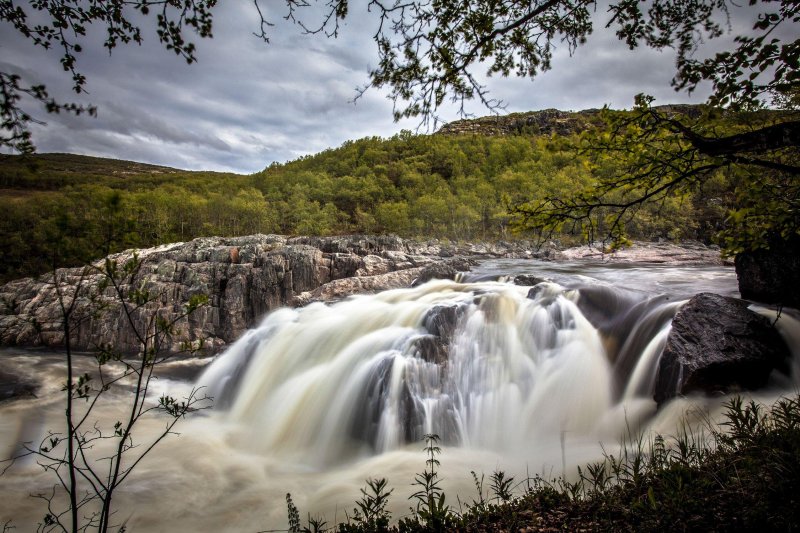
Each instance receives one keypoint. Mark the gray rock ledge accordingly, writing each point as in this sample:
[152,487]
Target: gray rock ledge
[243,277]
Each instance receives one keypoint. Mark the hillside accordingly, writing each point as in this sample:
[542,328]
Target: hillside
[56,171]
[462,183]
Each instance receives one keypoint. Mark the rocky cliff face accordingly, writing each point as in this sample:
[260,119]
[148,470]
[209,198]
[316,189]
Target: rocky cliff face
[243,278]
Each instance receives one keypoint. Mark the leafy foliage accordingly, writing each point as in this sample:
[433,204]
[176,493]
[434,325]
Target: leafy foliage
[667,156]
[370,513]
[432,52]
[63,25]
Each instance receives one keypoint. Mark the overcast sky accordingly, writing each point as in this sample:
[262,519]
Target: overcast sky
[246,104]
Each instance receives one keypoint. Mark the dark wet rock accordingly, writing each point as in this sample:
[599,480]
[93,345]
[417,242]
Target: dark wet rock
[717,345]
[771,276]
[369,409]
[528,280]
[430,348]
[442,320]
[543,293]
[441,270]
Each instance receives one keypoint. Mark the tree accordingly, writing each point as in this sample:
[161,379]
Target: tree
[660,154]
[91,457]
[63,24]
[430,51]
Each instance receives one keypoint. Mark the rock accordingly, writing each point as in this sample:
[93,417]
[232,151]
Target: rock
[528,280]
[442,320]
[373,265]
[431,349]
[352,244]
[544,122]
[717,344]
[243,278]
[342,288]
[441,270]
[771,276]
[687,253]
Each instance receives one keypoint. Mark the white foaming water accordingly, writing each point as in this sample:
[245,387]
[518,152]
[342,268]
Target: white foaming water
[316,400]
[366,376]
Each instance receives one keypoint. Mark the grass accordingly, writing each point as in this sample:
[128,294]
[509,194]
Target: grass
[744,476]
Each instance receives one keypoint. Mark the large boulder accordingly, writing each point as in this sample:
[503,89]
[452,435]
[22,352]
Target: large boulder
[717,344]
[773,275]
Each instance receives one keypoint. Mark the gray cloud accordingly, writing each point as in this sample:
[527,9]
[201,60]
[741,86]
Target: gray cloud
[246,104]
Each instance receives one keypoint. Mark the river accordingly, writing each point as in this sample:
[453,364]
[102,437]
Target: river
[316,400]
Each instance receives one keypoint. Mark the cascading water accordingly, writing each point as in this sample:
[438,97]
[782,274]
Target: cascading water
[485,365]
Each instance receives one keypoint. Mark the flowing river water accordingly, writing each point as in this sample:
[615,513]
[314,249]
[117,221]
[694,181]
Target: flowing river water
[313,401]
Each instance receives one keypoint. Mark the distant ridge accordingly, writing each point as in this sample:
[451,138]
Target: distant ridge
[81,164]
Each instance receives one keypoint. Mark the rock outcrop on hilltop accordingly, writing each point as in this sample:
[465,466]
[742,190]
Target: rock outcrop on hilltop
[544,122]
[243,278]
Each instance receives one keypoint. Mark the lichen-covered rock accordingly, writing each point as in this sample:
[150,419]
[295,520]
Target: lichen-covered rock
[667,253]
[342,288]
[243,278]
[717,344]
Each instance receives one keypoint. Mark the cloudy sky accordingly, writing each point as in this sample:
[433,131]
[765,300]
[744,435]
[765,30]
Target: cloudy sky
[246,104]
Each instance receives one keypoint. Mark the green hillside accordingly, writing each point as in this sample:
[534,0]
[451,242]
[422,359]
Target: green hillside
[461,184]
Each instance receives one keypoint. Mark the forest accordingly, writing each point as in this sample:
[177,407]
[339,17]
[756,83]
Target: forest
[62,210]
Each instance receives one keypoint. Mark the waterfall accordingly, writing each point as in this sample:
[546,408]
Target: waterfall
[485,365]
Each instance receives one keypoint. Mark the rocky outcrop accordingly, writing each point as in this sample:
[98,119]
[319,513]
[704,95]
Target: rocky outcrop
[667,253]
[544,122]
[773,275]
[342,288]
[718,345]
[243,278]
